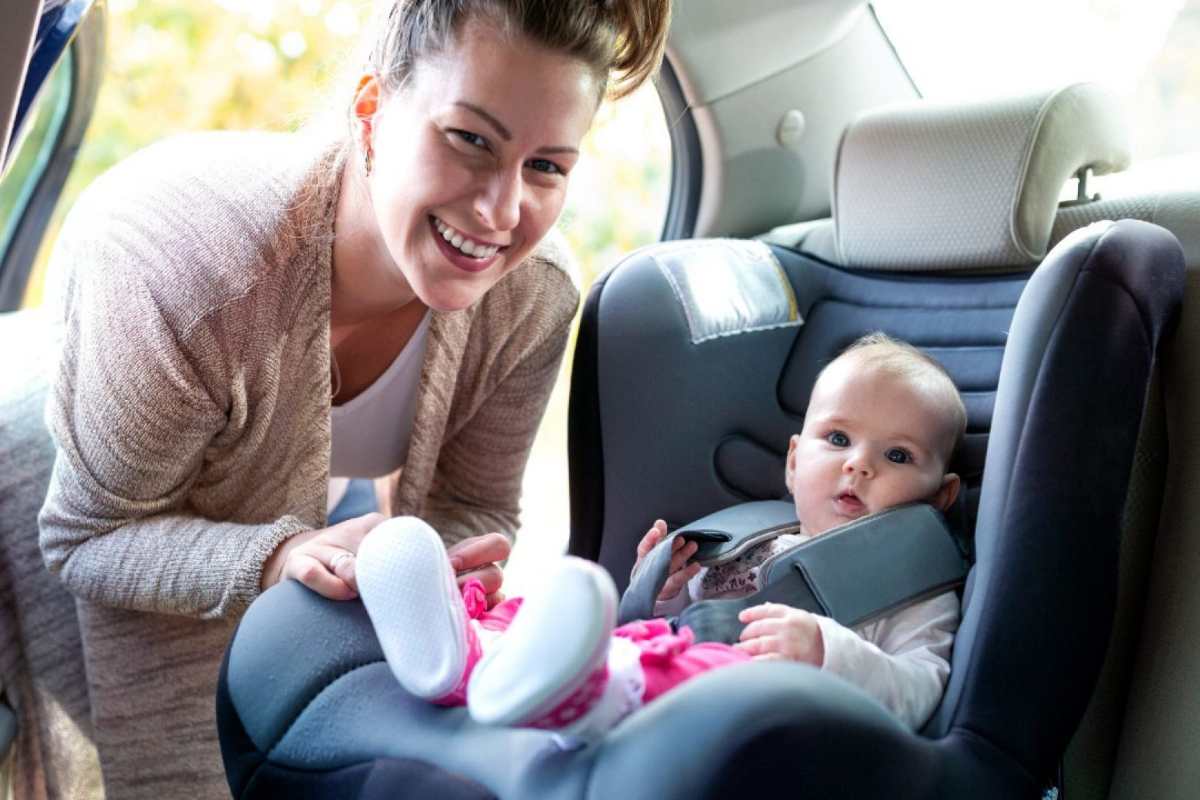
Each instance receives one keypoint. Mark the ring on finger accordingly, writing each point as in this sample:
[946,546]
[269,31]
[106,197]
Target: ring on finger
[339,558]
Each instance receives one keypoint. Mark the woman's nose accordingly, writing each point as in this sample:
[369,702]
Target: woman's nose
[498,204]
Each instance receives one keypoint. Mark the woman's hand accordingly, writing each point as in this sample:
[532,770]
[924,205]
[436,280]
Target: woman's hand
[680,571]
[323,560]
[478,557]
[777,631]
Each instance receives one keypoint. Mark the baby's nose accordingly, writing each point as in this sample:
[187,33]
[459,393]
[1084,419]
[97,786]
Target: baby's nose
[857,464]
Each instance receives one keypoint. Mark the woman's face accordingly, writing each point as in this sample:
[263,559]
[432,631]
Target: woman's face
[471,160]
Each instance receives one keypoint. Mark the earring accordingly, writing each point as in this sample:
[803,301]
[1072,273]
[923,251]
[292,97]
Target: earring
[368,158]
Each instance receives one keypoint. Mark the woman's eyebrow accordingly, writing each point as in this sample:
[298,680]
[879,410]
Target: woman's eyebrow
[505,134]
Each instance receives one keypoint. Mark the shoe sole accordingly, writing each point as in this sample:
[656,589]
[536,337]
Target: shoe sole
[411,595]
[557,640]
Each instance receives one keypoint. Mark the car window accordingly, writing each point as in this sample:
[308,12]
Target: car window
[1143,50]
[32,153]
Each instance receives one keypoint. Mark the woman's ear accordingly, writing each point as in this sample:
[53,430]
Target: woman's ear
[946,495]
[365,106]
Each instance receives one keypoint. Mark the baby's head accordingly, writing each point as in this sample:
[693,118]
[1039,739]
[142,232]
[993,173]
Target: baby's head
[882,424]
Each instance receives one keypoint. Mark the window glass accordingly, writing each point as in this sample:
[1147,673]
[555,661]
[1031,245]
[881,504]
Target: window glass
[1143,50]
[31,151]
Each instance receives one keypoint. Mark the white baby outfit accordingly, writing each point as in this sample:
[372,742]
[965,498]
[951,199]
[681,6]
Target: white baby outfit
[901,659]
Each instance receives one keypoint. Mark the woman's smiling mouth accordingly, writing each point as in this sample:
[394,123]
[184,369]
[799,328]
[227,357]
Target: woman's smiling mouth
[463,243]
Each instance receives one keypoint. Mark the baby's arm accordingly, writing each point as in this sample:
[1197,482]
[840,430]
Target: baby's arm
[679,572]
[902,660]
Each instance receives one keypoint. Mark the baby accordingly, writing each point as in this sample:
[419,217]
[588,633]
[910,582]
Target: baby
[882,423]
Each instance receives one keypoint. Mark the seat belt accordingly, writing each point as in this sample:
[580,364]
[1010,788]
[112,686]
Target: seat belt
[853,574]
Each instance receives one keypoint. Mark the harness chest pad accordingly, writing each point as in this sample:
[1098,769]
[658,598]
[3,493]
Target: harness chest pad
[853,574]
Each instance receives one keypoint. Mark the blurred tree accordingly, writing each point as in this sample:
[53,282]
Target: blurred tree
[185,65]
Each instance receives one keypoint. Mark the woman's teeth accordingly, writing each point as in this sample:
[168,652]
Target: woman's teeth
[463,244]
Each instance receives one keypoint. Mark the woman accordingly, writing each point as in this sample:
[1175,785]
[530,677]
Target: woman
[227,294]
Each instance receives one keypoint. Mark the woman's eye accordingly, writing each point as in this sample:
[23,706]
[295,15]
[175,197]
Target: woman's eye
[898,455]
[473,139]
[837,439]
[548,167]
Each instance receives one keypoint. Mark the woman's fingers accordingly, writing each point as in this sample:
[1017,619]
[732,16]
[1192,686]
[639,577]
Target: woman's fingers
[478,551]
[313,573]
[491,576]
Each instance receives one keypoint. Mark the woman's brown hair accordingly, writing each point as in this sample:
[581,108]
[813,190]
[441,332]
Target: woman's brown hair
[619,39]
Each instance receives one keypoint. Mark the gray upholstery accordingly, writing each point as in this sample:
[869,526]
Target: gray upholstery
[936,186]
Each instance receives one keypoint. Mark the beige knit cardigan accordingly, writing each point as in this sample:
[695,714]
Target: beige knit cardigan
[190,412]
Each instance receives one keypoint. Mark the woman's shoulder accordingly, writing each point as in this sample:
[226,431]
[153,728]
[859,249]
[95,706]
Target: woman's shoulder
[204,214]
[544,286]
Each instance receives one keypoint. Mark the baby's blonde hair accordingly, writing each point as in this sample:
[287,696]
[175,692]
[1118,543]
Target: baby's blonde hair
[893,356]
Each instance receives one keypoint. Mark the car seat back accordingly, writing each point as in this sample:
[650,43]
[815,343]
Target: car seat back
[925,193]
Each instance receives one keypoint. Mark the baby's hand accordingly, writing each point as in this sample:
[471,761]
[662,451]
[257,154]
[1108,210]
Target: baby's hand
[680,572]
[777,631]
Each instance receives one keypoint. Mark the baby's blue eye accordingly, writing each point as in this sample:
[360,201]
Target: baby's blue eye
[837,439]
[898,455]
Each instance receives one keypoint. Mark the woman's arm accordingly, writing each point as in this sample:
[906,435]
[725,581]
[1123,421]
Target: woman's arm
[133,415]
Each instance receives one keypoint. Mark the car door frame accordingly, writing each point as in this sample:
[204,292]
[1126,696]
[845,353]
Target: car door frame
[70,34]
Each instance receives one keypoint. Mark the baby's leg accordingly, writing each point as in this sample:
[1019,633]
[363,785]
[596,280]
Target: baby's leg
[561,666]
[424,622]
[552,666]
[668,659]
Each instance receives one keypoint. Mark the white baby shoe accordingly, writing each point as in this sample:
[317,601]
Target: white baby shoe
[554,652]
[408,586]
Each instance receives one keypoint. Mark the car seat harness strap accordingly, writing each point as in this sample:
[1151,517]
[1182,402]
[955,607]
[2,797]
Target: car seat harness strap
[853,574]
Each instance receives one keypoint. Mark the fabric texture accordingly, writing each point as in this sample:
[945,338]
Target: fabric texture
[646,658]
[191,416]
[369,434]
[901,659]
[952,186]
[41,655]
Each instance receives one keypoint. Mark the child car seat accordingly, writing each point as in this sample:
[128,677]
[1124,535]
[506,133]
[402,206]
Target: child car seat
[693,365]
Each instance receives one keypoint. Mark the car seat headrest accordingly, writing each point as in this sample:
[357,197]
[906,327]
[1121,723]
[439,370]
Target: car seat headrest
[925,186]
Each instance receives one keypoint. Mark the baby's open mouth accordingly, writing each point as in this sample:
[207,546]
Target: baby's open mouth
[848,502]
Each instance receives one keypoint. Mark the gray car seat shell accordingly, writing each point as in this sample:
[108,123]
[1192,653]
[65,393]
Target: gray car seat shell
[1088,328]
[1054,368]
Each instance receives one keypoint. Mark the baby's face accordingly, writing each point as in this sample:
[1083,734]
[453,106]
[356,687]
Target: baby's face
[871,441]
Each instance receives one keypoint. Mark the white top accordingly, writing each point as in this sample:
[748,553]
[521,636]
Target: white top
[901,659]
[371,432]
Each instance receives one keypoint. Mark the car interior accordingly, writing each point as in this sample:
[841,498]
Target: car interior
[815,196]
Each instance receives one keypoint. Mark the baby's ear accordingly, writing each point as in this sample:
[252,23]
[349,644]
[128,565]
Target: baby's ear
[790,469]
[946,495]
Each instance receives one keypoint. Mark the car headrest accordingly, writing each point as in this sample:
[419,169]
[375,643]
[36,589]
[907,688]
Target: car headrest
[926,186]
[1177,211]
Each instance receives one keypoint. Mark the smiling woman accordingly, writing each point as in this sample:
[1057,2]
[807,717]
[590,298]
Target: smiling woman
[239,307]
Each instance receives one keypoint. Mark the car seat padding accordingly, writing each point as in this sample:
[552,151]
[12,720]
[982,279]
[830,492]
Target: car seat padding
[856,573]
